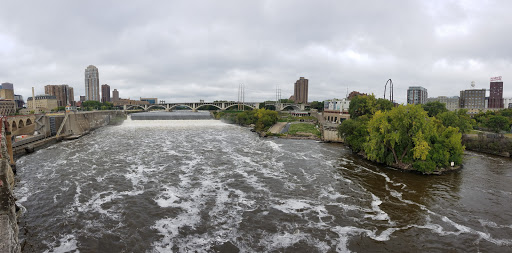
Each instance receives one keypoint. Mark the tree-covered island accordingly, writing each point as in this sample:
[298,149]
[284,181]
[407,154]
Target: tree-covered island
[404,137]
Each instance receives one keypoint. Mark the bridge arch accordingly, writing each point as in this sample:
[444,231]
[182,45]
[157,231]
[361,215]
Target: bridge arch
[14,126]
[214,105]
[28,123]
[245,105]
[177,105]
[157,106]
[21,124]
[128,107]
[294,107]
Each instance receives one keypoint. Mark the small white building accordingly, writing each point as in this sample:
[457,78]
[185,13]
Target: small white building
[336,110]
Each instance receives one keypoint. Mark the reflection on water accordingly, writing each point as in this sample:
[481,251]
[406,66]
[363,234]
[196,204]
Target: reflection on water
[160,186]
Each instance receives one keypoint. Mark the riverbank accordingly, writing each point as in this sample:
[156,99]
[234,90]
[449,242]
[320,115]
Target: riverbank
[490,143]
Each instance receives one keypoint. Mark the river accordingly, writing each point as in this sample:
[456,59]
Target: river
[206,186]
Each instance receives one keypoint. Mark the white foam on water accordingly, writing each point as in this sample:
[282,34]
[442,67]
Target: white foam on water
[283,240]
[292,206]
[380,215]
[67,243]
[168,197]
[492,224]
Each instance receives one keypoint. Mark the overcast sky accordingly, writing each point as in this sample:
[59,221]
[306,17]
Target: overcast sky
[190,50]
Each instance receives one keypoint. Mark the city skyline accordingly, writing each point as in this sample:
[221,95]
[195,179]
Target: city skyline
[180,52]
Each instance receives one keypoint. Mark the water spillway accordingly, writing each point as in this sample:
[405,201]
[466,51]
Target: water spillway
[177,115]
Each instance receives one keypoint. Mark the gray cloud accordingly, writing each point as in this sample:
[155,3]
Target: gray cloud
[179,51]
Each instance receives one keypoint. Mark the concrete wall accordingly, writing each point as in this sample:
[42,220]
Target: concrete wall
[83,122]
[8,220]
[331,135]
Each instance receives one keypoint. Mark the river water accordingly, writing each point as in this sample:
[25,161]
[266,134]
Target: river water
[206,186]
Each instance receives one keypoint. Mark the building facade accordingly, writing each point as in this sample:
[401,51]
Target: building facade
[7,94]
[151,101]
[300,91]
[473,100]
[417,95]
[105,93]
[452,103]
[7,107]
[92,83]
[115,95]
[336,110]
[507,103]
[496,95]
[64,94]
[43,102]
[18,99]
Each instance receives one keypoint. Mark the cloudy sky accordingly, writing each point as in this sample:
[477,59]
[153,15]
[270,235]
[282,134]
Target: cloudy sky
[190,50]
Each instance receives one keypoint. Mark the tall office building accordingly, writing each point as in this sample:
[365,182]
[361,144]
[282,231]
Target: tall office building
[92,83]
[63,93]
[496,93]
[115,95]
[7,86]
[417,95]
[300,91]
[105,93]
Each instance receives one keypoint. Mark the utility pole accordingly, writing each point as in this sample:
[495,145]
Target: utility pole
[278,98]
[241,97]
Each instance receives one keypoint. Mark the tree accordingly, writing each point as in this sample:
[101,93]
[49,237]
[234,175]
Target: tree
[354,132]
[362,105]
[384,104]
[91,104]
[405,136]
[498,123]
[459,119]
[317,105]
[434,108]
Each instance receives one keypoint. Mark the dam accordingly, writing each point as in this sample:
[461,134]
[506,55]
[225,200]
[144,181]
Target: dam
[176,115]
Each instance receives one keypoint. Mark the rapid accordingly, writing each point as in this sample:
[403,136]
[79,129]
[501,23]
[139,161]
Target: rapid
[207,186]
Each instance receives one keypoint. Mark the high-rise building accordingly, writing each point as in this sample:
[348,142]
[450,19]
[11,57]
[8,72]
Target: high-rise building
[496,93]
[92,83]
[300,91]
[105,93]
[63,93]
[115,95]
[7,86]
[417,95]
[18,99]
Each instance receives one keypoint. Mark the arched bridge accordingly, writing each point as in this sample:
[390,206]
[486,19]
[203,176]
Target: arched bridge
[192,105]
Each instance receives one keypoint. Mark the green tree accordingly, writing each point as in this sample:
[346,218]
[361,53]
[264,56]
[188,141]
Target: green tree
[384,104]
[459,119]
[362,105]
[91,104]
[434,108]
[498,123]
[317,105]
[405,136]
[355,132]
